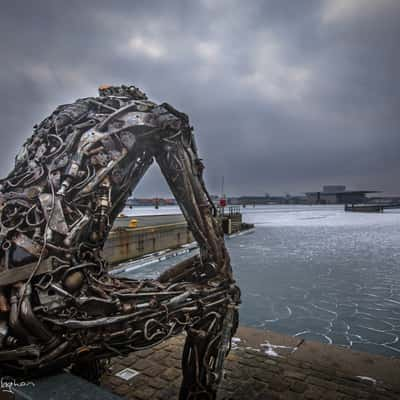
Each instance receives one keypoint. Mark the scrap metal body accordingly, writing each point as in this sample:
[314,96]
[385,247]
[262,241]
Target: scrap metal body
[58,304]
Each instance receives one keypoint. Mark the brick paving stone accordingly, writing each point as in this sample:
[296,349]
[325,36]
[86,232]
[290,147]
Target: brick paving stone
[269,361]
[175,346]
[161,346]
[250,362]
[331,396]
[345,397]
[298,387]
[145,353]
[259,386]
[170,374]
[174,363]
[314,393]
[144,392]
[321,383]
[294,362]
[248,354]
[229,365]
[323,376]
[252,371]
[289,395]
[138,381]
[155,370]
[166,361]
[168,393]
[142,364]
[264,376]
[224,394]
[305,365]
[159,355]
[122,389]
[229,384]
[351,390]
[176,356]
[292,374]
[158,383]
[114,381]
[128,361]
[245,391]
[272,395]
[278,384]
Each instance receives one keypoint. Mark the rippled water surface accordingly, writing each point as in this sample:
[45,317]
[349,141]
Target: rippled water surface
[319,273]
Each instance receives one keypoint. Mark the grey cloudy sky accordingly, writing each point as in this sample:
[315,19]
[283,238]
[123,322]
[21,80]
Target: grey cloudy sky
[284,95]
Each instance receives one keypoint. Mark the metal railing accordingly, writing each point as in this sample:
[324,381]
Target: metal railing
[228,211]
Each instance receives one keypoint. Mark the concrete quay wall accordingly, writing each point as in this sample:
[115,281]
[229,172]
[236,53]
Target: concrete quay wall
[125,244]
[149,220]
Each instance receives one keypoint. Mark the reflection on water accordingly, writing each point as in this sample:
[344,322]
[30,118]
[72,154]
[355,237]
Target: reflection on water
[321,274]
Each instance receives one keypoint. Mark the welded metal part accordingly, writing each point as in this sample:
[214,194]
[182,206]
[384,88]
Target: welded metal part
[53,212]
[50,301]
[3,332]
[58,304]
[29,245]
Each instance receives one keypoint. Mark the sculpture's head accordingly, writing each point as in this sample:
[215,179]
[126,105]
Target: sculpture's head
[123,91]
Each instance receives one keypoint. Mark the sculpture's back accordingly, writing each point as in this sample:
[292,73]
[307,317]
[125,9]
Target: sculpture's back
[58,305]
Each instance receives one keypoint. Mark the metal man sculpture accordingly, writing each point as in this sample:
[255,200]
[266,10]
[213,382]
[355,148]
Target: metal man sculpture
[58,304]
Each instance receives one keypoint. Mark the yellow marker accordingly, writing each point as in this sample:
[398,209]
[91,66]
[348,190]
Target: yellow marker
[133,223]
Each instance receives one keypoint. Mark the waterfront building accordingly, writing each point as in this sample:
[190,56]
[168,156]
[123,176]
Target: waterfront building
[267,200]
[337,194]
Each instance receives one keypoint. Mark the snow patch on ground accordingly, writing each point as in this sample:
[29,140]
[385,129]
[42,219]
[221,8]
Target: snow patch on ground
[367,378]
[270,349]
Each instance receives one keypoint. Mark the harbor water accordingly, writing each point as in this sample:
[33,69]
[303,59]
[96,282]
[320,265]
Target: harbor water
[315,272]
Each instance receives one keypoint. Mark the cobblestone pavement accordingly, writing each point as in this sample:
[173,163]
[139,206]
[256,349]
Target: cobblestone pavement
[268,372]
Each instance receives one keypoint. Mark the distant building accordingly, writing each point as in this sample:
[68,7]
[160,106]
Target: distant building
[267,200]
[135,202]
[248,200]
[337,194]
[333,188]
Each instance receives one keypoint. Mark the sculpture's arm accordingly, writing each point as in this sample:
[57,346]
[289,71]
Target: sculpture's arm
[183,169]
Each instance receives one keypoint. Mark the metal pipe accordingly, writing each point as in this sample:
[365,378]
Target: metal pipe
[29,319]
[16,326]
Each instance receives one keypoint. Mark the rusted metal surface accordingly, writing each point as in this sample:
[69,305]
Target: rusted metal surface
[59,306]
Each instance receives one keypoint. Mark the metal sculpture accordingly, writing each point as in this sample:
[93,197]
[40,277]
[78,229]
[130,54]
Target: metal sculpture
[58,304]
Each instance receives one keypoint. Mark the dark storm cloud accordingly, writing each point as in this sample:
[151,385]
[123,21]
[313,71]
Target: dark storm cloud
[284,95]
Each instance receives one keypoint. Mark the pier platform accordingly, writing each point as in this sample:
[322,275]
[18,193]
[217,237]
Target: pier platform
[155,233]
[263,365]
[370,207]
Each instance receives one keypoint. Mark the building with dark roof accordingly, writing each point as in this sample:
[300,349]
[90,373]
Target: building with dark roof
[337,194]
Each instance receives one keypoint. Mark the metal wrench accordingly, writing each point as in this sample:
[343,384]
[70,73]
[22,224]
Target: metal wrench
[6,245]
